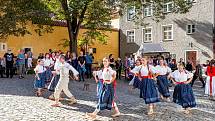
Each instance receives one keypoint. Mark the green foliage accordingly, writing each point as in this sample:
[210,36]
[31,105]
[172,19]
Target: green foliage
[15,14]
[92,14]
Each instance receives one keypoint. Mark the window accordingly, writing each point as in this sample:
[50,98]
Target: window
[130,13]
[3,47]
[130,36]
[191,29]
[148,11]
[167,32]
[147,34]
[167,7]
[191,1]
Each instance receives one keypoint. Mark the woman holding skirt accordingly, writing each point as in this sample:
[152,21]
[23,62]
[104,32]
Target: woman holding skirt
[210,81]
[135,72]
[147,85]
[162,80]
[183,93]
[107,96]
[98,78]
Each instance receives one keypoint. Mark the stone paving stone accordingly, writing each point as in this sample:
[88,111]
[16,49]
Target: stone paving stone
[18,103]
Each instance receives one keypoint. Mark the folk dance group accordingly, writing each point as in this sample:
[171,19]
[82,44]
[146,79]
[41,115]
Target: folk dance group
[148,79]
[60,82]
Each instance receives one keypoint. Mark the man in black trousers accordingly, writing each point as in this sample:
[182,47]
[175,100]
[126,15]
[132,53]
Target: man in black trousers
[9,59]
[198,74]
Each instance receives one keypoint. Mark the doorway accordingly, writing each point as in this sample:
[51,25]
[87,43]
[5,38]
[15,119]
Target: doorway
[191,55]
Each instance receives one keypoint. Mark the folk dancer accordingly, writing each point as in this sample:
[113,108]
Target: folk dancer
[63,83]
[183,93]
[40,71]
[107,97]
[162,72]
[147,85]
[210,81]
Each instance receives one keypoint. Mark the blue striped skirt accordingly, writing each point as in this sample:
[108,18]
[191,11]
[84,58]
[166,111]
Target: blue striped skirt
[148,91]
[48,74]
[99,88]
[136,83]
[163,85]
[183,95]
[53,83]
[106,98]
[40,83]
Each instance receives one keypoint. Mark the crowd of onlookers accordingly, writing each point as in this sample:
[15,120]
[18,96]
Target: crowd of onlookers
[21,63]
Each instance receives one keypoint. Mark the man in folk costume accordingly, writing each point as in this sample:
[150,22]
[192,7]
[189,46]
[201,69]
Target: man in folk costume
[107,96]
[210,81]
[63,83]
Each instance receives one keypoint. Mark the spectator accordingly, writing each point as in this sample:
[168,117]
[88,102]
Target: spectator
[9,61]
[68,57]
[181,61]
[26,63]
[198,74]
[118,68]
[74,61]
[131,61]
[89,62]
[126,66]
[2,70]
[41,56]
[81,65]
[189,66]
[173,65]
[30,59]
[112,64]
[21,63]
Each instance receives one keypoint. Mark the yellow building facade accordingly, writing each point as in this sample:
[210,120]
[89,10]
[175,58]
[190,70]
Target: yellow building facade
[41,44]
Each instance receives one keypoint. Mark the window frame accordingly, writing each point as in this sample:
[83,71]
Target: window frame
[127,35]
[168,8]
[1,46]
[127,14]
[148,8]
[191,29]
[172,31]
[143,35]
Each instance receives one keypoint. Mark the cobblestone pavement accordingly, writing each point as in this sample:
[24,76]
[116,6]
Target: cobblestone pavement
[18,103]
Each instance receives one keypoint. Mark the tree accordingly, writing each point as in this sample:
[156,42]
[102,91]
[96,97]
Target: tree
[92,14]
[15,14]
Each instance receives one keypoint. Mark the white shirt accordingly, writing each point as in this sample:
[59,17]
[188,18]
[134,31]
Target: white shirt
[48,62]
[144,70]
[64,69]
[136,69]
[39,69]
[99,74]
[181,76]
[163,70]
[56,65]
[108,73]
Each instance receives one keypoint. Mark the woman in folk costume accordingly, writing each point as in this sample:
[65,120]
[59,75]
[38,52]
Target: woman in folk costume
[135,72]
[210,81]
[48,63]
[183,93]
[40,71]
[63,83]
[99,80]
[55,78]
[107,97]
[147,85]
[162,72]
